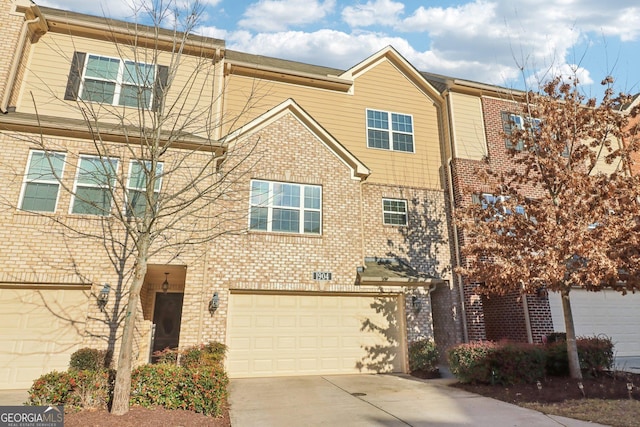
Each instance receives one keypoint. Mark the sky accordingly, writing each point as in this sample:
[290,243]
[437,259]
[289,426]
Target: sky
[514,44]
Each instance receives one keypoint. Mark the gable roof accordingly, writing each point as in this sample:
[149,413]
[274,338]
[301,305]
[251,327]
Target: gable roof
[404,66]
[358,169]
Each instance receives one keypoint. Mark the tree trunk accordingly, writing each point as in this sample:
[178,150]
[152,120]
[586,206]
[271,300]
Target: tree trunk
[572,347]
[122,387]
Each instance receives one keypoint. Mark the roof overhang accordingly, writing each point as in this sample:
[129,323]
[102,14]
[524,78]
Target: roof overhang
[392,271]
[266,72]
[62,21]
[108,132]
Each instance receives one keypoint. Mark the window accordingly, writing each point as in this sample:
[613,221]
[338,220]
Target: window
[137,183]
[285,208]
[92,190]
[115,81]
[42,185]
[389,131]
[511,122]
[394,212]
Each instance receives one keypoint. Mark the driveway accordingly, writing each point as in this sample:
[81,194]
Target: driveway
[372,400]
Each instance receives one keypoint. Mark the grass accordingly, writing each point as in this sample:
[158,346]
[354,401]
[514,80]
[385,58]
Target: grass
[617,413]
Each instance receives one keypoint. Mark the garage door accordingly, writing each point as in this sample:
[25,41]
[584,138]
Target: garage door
[40,328]
[606,312]
[278,335]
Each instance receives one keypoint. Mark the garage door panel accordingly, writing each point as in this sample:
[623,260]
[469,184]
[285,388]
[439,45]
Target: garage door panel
[311,334]
[606,312]
[40,329]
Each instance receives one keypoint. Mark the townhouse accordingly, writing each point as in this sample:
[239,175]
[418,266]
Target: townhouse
[331,250]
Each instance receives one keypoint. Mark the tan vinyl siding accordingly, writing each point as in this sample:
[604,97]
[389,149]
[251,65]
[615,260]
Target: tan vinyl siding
[468,127]
[48,70]
[344,116]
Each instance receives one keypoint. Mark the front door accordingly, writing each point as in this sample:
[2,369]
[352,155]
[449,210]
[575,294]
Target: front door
[166,318]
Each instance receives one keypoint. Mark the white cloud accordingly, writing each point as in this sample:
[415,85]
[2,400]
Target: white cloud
[328,48]
[278,15]
[376,12]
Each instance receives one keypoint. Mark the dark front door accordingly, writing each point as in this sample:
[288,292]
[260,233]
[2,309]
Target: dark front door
[166,317]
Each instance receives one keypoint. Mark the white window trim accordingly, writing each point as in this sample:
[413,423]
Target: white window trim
[390,131]
[131,188]
[406,212]
[119,81]
[270,206]
[44,181]
[75,183]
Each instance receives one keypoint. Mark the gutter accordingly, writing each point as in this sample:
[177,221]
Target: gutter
[13,71]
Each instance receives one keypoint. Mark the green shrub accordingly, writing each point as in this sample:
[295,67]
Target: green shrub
[469,363]
[88,359]
[513,363]
[73,388]
[423,356]
[167,356]
[202,389]
[211,354]
[497,363]
[595,355]
[53,388]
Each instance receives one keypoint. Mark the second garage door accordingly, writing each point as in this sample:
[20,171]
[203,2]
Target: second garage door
[606,312]
[40,328]
[279,335]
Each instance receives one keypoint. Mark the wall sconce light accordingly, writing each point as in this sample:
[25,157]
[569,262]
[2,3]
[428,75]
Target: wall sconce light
[416,304]
[214,303]
[165,284]
[103,296]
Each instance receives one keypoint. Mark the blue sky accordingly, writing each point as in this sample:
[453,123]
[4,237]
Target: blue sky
[502,42]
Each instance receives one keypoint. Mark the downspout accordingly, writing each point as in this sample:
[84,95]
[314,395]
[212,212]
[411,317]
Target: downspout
[527,318]
[13,71]
[456,244]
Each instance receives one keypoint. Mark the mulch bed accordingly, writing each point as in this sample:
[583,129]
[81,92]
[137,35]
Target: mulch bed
[145,417]
[608,385]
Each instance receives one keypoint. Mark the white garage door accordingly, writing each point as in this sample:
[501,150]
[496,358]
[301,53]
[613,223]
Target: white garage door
[279,335]
[40,328]
[606,312]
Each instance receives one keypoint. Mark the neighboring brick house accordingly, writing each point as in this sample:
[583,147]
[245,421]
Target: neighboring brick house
[334,249]
[480,116]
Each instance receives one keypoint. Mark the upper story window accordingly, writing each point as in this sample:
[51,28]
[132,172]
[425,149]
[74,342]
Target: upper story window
[115,81]
[139,171]
[389,131]
[93,186]
[511,122]
[42,181]
[285,208]
[394,211]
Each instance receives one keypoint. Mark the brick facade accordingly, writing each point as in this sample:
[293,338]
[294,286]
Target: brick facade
[496,317]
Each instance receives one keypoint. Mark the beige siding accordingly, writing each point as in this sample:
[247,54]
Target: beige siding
[468,126]
[48,70]
[344,116]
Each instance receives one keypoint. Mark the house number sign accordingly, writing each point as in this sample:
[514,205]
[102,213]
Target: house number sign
[322,275]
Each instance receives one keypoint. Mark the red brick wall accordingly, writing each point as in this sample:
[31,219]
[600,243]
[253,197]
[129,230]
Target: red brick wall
[496,317]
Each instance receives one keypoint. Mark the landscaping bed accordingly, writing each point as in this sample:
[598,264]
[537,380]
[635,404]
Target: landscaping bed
[145,417]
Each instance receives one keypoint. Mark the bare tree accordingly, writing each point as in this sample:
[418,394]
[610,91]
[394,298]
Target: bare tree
[566,215]
[153,179]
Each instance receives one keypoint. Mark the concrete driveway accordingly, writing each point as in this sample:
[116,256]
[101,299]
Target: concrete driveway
[372,400]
